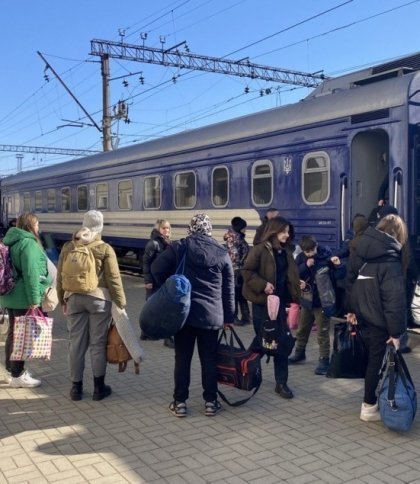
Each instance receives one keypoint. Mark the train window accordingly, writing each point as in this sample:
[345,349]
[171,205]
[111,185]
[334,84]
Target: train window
[125,195]
[65,200]
[38,201]
[82,198]
[27,202]
[262,183]
[316,178]
[51,200]
[102,196]
[152,192]
[220,186]
[185,190]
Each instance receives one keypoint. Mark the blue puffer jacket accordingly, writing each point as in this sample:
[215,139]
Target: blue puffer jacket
[209,270]
[30,263]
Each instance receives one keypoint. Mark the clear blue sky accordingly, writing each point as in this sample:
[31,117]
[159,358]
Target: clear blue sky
[335,36]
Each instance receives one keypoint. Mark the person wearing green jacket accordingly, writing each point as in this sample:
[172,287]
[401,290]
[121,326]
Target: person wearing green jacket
[32,280]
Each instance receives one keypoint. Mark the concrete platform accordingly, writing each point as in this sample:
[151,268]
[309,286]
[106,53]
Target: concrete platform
[131,437]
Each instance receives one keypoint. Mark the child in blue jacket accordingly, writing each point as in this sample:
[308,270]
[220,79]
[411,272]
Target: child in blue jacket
[319,269]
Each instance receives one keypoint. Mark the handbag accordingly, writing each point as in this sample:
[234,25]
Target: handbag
[166,311]
[32,336]
[350,356]
[236,366]
[397,398]
[116,351]
[276,337]
[50,300]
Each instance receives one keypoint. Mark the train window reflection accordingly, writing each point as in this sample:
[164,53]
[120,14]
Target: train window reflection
[316,178]
[50,200]
[262,182]
[102,196]
[65,199]
[220,186]
[152,192]
[82,198]
[125,195]
[185,190]
[38,201]
[27,202]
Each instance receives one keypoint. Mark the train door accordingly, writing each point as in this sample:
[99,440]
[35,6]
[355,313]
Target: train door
[369,170]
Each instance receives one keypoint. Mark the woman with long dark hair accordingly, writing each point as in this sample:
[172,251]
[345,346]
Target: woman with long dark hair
[271,269]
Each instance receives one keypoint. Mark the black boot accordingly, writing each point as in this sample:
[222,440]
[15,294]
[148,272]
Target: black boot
[245,314]
[100,390]
[76,391]
[323,364]
[298,356]
[284,391]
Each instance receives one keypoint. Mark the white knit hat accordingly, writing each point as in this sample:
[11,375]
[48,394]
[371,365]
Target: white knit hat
[94,221]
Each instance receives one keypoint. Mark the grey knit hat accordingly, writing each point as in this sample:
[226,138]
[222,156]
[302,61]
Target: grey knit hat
[94,220]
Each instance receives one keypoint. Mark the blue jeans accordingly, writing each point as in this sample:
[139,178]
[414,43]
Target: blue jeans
[207,343]
[281,368]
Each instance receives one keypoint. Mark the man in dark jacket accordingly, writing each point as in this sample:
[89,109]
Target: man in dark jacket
[209,270]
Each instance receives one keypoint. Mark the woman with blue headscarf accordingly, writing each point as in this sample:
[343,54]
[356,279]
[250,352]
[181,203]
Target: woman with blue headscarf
[209,270]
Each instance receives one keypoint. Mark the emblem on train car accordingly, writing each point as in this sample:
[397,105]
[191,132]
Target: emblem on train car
[287,165]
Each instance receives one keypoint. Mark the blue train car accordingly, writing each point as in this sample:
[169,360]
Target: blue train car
[319,161]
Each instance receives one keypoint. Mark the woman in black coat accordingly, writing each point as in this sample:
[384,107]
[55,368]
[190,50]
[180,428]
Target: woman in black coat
[209,270]
[159,241]
[376,298]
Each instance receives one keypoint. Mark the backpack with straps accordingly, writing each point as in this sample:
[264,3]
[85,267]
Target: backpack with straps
[78,272]
[7,279]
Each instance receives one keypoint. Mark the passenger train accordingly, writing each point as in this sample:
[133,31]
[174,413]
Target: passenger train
[319,161]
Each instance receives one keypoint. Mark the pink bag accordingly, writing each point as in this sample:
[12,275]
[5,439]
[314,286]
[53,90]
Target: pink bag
[32,336]
[273,306]
[293,316]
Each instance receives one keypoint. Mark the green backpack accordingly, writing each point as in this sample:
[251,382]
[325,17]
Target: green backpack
[78,272]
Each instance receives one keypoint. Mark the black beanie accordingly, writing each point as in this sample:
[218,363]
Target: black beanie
[238,224]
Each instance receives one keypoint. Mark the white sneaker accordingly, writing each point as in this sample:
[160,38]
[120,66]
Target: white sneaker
[25,380]
[8,377]
[370,413]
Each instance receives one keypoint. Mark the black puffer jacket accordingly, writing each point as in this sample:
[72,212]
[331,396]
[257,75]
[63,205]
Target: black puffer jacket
[209,270]
[375,286]
[154,246]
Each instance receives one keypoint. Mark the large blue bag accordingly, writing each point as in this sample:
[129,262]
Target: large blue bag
[166,311]
[397,398]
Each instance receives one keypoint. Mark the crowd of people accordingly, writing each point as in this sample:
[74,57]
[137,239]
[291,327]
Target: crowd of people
[372,278]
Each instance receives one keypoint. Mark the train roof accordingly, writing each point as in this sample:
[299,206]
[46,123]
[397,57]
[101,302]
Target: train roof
[364,91]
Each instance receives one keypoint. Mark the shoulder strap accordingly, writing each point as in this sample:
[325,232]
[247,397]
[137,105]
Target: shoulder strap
[239,402]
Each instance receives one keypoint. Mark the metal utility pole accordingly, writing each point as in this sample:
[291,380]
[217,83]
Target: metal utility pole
[19,158]
[106,49]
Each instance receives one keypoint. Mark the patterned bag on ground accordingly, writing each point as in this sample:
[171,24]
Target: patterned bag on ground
[349,357]
[166,311]
[397,398]
[7,280]
[32,336]
[236,366]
